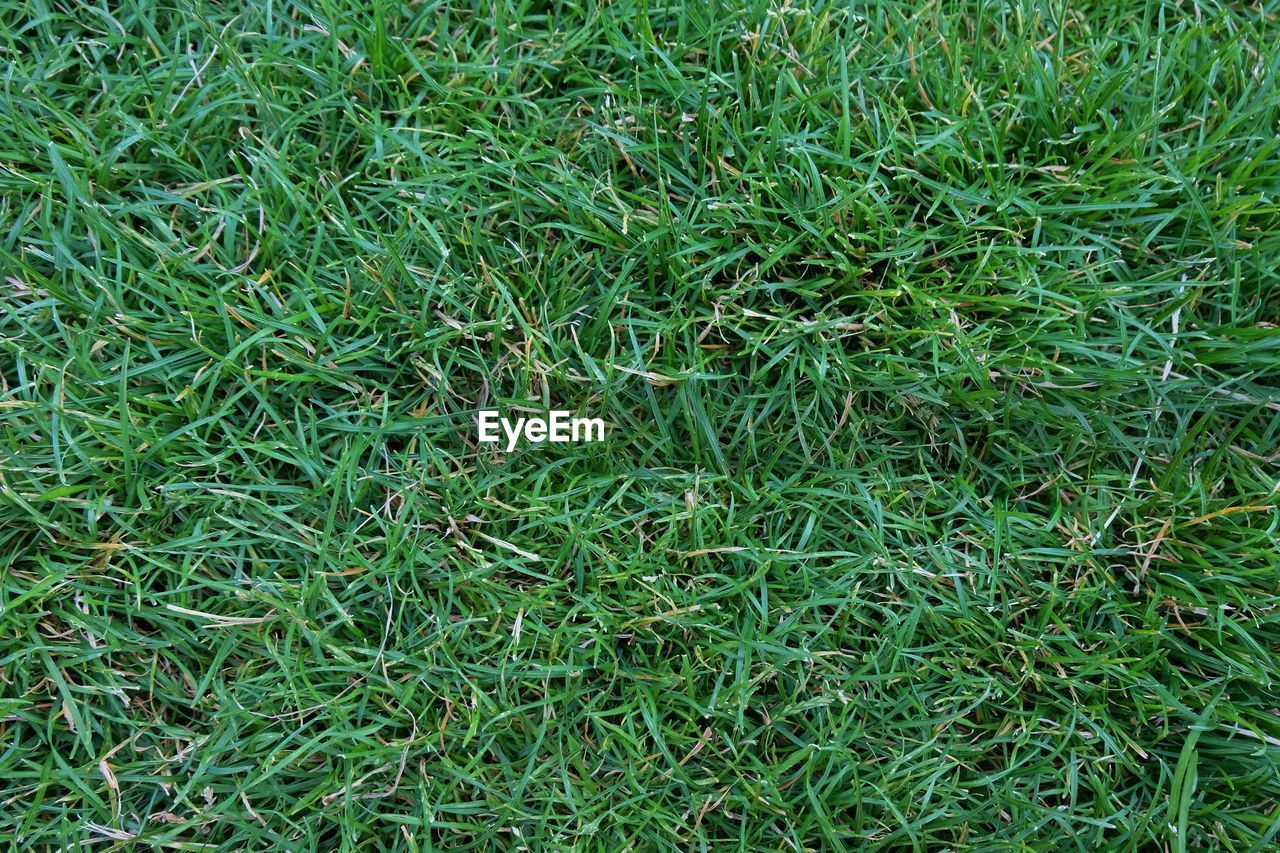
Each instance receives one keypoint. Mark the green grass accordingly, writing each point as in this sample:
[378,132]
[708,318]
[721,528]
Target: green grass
[939,348]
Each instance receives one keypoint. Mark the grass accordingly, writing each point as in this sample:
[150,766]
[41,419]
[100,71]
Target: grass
[938,344]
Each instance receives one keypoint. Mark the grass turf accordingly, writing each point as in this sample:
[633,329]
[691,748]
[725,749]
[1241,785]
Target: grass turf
[938,346]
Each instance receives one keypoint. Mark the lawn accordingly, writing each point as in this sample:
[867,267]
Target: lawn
[937,347]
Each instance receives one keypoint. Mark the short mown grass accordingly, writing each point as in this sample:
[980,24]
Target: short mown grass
[938,346]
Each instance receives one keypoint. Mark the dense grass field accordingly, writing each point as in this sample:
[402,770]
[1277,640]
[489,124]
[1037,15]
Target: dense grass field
[938,348]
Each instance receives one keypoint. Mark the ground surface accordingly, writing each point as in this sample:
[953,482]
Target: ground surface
[938,349]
